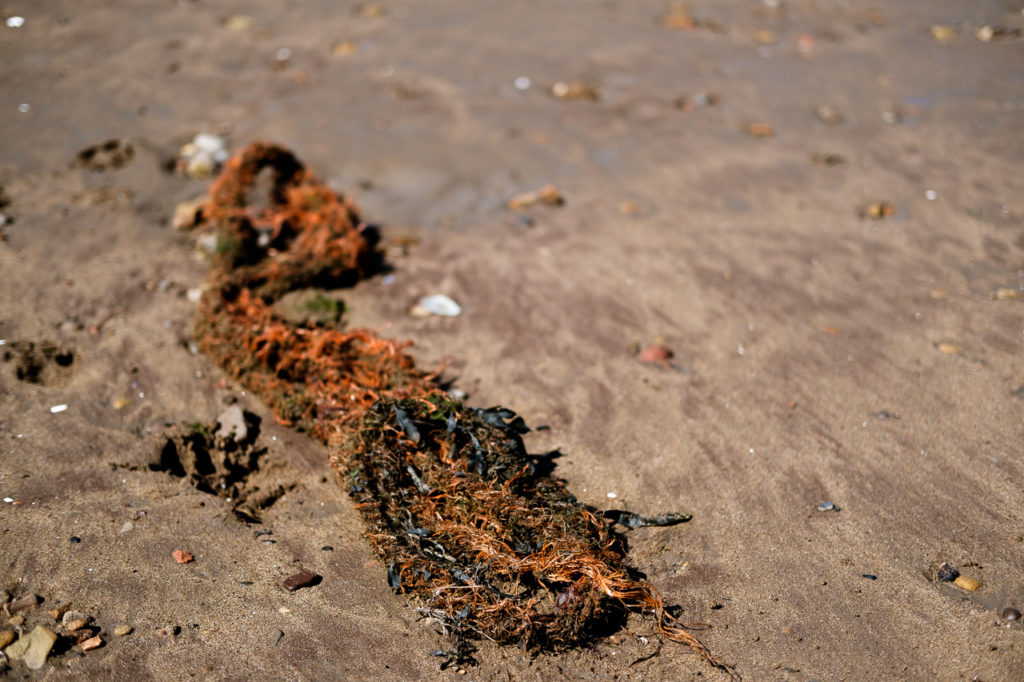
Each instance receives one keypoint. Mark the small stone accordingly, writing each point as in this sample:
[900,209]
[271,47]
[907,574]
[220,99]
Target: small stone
[120,403]
[548,195]
[344,48]
[1005,294]
[943,35]
[72,616]
[655,354]
[827,506]
[278,636]
[878,210]
[58,612]
[188,214]
[327,548]
[58,408]
[950,348]
[869,576]
[946,573]
[74,539]
[829,116]
[122,630]
[300,580]
[6,637]
[1009,614]
[92,643]
[969,584]
[440,305]
[181,556]
[761,129]
[575,91]
[29,601]
[36,649]
[231,425]
[238,22]
[77,624]
[128,525]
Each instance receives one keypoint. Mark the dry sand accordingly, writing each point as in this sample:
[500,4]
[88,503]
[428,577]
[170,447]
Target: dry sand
[809,340]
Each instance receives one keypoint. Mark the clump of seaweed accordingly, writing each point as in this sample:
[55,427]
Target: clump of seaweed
[477,530]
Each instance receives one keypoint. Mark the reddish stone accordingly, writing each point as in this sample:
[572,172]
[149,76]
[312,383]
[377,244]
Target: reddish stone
[655,354]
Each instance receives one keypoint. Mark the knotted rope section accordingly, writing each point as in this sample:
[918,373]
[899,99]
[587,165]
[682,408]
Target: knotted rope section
[477,530]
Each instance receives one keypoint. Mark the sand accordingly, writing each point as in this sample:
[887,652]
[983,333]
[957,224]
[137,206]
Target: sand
[820,355]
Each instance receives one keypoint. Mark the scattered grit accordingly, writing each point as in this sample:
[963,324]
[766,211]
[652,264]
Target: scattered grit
[487,542]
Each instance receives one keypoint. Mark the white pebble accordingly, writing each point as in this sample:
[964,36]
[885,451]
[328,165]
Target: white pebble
[284,54]
[930,195]
[24,107]
[613,495]
[438,304]
[522,83]
[8,500]
[58,408]
[15,22]
[128,525]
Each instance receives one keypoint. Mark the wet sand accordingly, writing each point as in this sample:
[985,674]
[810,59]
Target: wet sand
[820,355]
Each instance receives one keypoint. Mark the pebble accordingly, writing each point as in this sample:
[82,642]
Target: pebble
[761,129]
[92,643]
[655,354]
[344,48]
[72,616]
[58,612]
[327,548]
[29,601]
[74,539]
[7,636]
[548,195]
[187,214]
[128,525]
[950,348]
[58,408]
[238,22]
[15,22]
[438,304]
[943,35]
[869,576]
[120,403]
[575,91]
[879,210]
[278,636]
[231,425]
[969,584]
[829,116]
[300,580]
[1011,614]
[122,630]
[33,649]
[201,157]
[77,624]
[181,556]
[827,506]
[947,573]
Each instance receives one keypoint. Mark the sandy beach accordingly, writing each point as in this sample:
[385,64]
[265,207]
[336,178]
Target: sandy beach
[817,206]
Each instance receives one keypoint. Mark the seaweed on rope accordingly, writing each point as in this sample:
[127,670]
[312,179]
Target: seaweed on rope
[468,524]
